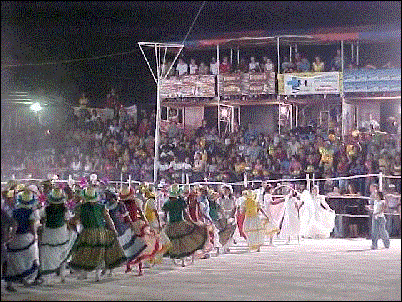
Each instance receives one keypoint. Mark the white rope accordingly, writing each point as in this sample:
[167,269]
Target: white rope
[195,19]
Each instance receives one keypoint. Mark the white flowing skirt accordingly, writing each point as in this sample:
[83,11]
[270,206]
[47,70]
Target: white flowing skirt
[54,248]
[290,225]
[22,258]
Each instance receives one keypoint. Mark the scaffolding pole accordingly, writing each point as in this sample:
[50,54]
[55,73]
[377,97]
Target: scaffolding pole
[158,78]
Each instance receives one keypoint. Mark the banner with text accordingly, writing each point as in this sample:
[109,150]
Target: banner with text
[247,83]
[372,80]
[188,86]
[309,83]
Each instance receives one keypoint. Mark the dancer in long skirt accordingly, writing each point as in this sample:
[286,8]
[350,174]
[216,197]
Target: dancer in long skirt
[317,218]
[274,208]
[216,214]
[253,226]
[97,246]
[140,227]
[240,215]
[291,218]
[23,251]
[56,239]
[132,244]
[152,216]
[228,220]
[186,236]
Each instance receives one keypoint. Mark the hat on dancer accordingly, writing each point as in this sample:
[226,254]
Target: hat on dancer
[26,197]
[250,194]
[126,193]
[57,196]
[34,189]
[174,190]
[89,194]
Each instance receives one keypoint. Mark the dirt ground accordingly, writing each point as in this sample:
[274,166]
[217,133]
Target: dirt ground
[328,269]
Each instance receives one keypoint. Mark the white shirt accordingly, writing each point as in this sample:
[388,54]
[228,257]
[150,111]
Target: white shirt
[193,68]
[214,68]
[378,208]
[182,68]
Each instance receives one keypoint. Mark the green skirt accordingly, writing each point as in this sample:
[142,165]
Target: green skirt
[185,238]
[96,247]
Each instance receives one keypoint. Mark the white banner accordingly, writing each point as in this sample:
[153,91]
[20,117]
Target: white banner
[311,83]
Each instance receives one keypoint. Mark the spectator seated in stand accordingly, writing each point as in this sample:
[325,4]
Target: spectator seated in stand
[181,67]
[225,66]
[318,65]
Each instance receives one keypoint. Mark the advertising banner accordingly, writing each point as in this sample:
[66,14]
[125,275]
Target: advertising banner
[230,84]
[247,83]
[310,83]
[372,80]
[188,86]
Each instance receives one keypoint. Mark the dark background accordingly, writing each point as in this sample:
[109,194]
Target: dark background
[42,32]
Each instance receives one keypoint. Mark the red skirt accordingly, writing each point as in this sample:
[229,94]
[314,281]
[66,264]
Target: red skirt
[240,219]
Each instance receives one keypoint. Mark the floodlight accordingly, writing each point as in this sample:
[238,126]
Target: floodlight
[36,107]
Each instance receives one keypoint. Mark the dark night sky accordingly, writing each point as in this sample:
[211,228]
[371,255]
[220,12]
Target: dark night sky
[39,32]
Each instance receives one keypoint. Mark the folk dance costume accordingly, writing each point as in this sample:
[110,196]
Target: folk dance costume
[274,210]
[253,226]
[317,218]
[56,239]
[291,218]
[152,216]
[205,218]
[140,228]
[240,215]
[218,222]
[185,236]
[23,251]
[228,222]
[96,246]
[132,244]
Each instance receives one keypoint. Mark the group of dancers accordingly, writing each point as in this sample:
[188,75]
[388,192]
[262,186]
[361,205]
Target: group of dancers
[91,226]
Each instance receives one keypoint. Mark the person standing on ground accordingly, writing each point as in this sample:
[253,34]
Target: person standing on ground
[23,252]
[97,246]
[378,222]
[253,226]
[56,237]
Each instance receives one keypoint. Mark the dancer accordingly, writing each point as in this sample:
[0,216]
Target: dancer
[56,237]
[228,222]
[186,236]
[205,218]
[317,218]
[97,246]
[240,215]
[291,218]
[274,211]
[132,244]
[216,214]
[23,251]
[140,227]
[152,216]
[253,227]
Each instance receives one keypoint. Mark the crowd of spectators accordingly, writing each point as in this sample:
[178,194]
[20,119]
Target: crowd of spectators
[124,145]
[298,63]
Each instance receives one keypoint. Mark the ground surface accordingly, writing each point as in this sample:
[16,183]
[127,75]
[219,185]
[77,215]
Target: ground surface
[330,269]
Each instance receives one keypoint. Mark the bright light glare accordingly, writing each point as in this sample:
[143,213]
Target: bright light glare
[36,107]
